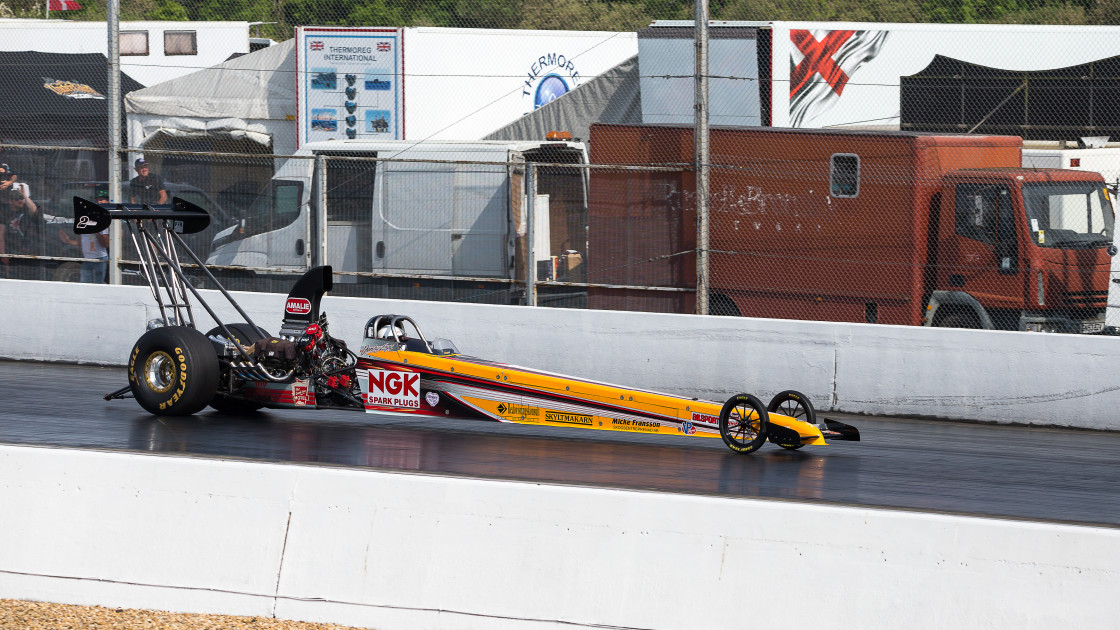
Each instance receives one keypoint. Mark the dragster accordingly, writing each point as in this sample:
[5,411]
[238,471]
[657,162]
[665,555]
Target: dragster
[175,369]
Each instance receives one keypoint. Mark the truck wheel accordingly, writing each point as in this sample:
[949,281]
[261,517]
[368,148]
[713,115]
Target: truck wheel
[723,305]
[245,335]
[959,319]
[743,422]
[796,405]
[68,272]
[173,371]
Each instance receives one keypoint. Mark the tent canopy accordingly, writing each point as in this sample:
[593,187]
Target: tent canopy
[55,98]
[245,97]
[950,95]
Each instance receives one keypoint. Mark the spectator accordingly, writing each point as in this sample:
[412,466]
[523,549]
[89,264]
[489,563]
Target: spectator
[24,230]
[95,247]
[10,181]
[147,187]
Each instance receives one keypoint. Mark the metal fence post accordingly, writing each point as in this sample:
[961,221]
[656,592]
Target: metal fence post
[317,230]
[530,235]
[115,233]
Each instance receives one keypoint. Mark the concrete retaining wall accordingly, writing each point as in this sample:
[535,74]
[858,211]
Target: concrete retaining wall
[411,551]
[1064,380]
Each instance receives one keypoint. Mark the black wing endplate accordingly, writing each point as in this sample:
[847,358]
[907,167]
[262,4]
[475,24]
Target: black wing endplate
[91,217]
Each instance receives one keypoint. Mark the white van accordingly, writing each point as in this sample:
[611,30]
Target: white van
[426,213]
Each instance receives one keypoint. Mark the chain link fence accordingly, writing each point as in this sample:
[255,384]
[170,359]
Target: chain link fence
[543,153]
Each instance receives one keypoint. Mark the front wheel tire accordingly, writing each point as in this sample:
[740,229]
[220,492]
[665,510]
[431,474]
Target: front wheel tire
[173,371]
[743,423]
[796,405]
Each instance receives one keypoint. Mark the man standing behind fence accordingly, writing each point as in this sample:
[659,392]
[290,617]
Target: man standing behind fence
[147,187]
[95,247]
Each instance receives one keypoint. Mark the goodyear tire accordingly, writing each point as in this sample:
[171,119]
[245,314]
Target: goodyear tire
[746,432]
[796,405]
[173,371]
[245,335]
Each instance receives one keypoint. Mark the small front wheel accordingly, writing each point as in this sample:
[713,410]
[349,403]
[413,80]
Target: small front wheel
[796,405]
[743,422]
[173,371]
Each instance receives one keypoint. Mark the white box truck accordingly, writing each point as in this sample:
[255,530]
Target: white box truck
[443,220]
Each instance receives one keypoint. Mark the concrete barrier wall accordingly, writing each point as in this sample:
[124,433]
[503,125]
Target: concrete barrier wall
[411,551]
[1064,380]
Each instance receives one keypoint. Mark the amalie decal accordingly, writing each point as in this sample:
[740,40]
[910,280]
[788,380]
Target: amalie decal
[298,306]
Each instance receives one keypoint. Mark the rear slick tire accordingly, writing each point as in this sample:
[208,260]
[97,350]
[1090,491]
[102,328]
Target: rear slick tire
[796,405]
[745,433]
[173,371]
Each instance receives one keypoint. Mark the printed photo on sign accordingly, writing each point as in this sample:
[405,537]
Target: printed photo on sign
[378,121]
[324,119]
[324,79]
[378,79]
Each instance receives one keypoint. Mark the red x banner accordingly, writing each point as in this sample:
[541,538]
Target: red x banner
[818,59]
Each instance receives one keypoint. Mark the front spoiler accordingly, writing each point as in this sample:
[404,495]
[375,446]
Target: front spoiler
[836,430]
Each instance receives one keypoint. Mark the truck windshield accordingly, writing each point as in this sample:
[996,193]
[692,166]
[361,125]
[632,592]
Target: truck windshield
[1069,214]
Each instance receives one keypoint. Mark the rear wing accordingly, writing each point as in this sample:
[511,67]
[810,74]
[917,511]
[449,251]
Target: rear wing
[184,217]
[155,232]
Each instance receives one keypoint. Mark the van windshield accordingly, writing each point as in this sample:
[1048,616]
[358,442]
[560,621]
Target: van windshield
[1069,214]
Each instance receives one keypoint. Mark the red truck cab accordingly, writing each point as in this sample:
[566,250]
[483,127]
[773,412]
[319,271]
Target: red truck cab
[1022,249]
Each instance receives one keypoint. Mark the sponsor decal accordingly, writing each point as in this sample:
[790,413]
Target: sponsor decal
[568,418]
[640,426]
[431,398]
[371,349]
[822,63]
[298,306]
[387,388]
[687,428]
[517,410]
[71,89]
[301,395]
[703,417]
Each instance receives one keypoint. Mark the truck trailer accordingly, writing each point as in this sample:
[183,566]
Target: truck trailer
[437,221]
[856,226]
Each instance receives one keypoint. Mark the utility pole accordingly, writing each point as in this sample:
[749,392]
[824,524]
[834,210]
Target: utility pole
[701,143]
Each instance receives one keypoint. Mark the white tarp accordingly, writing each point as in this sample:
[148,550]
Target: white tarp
[252,97]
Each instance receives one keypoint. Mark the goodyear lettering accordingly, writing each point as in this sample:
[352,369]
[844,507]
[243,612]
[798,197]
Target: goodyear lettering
[568,418]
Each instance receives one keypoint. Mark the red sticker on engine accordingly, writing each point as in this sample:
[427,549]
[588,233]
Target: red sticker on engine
[298,306]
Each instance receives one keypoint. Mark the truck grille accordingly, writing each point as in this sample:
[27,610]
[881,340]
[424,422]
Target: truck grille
[1087,299]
